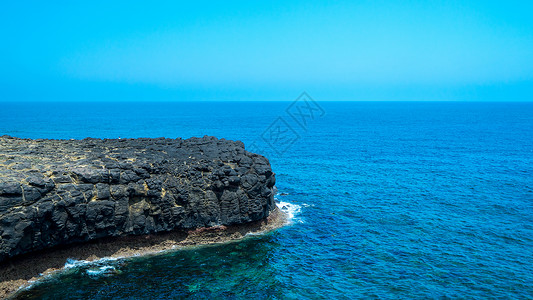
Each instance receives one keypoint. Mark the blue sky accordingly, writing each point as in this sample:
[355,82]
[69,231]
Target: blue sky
[268,50]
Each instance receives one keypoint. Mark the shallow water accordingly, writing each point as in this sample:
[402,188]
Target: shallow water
[391,200]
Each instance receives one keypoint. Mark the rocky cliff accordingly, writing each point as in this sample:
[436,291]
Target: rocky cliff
[56,192]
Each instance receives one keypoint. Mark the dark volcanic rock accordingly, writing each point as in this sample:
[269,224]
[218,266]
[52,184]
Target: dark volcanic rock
[55,192]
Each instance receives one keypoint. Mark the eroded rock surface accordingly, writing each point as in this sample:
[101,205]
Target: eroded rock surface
[55,192]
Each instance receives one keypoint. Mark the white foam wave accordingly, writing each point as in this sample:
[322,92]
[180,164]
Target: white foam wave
[71,263]
[254,234]
[292,210]
[105,270]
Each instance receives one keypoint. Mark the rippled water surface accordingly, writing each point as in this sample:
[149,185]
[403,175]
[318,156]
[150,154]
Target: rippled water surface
[390,200]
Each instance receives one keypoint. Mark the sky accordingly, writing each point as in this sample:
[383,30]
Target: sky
[266,50]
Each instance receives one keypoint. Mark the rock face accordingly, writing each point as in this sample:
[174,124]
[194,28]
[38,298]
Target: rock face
[55,192]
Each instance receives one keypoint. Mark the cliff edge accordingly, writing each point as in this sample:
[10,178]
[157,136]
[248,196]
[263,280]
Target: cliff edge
[58,192]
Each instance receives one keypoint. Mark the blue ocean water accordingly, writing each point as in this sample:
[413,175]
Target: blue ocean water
[390,200]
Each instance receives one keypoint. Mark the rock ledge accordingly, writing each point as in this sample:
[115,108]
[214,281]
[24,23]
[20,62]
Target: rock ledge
[58,192]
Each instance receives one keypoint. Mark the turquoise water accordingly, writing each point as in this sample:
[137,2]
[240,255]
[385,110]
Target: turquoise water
[390,200]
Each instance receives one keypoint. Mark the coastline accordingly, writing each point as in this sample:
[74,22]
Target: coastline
[19,272]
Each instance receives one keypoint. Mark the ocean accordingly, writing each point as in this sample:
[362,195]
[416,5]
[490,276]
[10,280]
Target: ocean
[388,200]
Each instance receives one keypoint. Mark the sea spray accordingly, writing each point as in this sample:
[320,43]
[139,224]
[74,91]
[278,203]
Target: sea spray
[292,211]
[102,271]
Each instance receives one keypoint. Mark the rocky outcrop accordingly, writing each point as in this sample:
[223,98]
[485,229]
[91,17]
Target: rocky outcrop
[56,192]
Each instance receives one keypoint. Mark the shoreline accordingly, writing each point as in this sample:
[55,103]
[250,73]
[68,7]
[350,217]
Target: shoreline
[20,272]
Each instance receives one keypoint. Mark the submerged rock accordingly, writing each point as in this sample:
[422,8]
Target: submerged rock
[57,192]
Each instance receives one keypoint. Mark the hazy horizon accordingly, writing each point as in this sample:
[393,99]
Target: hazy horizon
[268,51]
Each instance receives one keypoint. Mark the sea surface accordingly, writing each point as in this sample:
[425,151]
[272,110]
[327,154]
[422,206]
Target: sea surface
[389,200]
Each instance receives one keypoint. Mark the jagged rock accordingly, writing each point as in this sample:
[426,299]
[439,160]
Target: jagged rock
[56,192]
